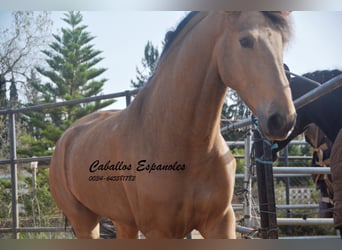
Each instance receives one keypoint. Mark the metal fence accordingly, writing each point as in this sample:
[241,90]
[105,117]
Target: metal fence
[13,161]
[247,203]
[249,210]
[267,206]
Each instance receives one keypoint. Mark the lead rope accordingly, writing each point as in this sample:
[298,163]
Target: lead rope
[273,146]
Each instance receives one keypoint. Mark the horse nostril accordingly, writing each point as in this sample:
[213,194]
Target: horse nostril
[275,124]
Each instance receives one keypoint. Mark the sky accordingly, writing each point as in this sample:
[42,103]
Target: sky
[122,36]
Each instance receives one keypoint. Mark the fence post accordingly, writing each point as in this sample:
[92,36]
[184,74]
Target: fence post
[247,198]
[287,187]
[268,217]
[35,205]
[128,98]
[14,175]
[272,212]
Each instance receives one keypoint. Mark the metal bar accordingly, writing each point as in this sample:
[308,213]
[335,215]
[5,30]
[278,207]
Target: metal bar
[290,206]
[247,198]
[235,143]
[290,157]
[304,222]
[236,125]
[314,94]
[314,237]
[14,175]
[48,158]
[297,170]
[241,176]
[298,206]
[244,230]
[27,160]
[36,229]
[242,143]
[297,157]
[72,102]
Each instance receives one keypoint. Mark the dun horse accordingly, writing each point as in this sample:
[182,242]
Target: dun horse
[161,166]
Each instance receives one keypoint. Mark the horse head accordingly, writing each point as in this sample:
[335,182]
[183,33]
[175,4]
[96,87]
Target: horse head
[253,43]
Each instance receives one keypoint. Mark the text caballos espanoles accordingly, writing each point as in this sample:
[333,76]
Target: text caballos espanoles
[141,165]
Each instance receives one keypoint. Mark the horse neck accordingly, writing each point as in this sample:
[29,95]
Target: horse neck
[322,112]
[183,100]
[325,114]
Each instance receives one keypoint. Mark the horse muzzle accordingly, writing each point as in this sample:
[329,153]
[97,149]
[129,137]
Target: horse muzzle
[277,126]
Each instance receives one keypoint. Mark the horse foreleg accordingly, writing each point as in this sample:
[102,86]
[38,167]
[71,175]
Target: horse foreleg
[84,223]
[125,231]
[87,233]
[221,229]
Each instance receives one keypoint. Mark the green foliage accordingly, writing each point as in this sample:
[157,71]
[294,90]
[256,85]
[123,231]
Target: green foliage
[5,198]
[36,209]
[71,72]
[149,63]
[240,164]
[38,202]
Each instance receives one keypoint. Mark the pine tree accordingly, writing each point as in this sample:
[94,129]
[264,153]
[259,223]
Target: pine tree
[72,75]
[149,63]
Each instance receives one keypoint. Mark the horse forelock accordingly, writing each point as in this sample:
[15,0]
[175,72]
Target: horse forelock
[280,22]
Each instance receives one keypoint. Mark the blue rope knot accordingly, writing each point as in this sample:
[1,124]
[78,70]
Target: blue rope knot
[274,146]
[263,161]
[271,144]
[255,121]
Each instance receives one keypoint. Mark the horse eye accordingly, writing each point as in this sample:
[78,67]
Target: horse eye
[246,42]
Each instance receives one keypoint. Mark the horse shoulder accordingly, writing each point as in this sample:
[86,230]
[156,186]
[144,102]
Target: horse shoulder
[72,138]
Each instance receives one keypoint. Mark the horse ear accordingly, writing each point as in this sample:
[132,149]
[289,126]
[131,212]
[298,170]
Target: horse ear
[233,15]
[285,13]
[281,13]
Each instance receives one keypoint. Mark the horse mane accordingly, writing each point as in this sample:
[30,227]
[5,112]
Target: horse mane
[322,76]
[278,21]
[170,36]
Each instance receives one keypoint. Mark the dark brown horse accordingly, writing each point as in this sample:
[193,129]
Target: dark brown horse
[161,166]
[325,112]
